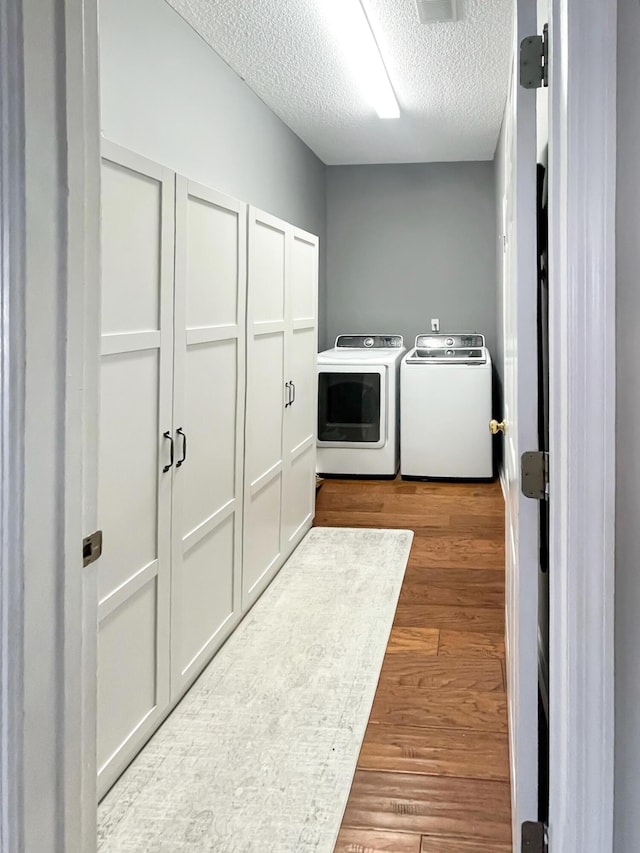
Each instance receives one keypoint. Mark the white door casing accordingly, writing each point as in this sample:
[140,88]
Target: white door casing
[49,161]
[209,391]
[83,149]
[582,468]
[13,280]
[134,489]
[520,413]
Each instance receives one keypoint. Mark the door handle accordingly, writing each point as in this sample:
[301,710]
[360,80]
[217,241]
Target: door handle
[181,432]
[287,395]
[168,435]
[293,388]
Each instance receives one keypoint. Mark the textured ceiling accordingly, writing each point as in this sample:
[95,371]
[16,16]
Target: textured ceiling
[450,78]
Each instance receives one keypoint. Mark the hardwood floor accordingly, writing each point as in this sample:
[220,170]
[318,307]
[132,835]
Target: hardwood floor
[433,771]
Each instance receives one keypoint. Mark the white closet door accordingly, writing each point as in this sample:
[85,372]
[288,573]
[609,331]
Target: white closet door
[134,492]
[266,324]
[209,388]
[298,505]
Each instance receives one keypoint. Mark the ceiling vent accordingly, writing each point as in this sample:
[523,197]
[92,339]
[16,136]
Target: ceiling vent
[433,11]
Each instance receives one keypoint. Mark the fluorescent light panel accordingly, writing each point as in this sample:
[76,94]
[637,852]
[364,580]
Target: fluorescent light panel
[353,27]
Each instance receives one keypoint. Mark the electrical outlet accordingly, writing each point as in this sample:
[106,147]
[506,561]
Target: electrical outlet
[435,325]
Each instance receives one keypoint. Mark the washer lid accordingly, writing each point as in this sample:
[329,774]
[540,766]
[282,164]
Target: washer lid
[356,357]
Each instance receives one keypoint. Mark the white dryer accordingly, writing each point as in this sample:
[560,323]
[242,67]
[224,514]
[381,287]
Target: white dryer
[446,407]
[358,403]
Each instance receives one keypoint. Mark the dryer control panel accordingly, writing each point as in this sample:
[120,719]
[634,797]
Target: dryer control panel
[369,342]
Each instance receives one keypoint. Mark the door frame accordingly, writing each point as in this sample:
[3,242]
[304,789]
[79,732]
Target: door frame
[83,344]
[582,260]
[582,191]
[49,289]
[520,411]
[12,416]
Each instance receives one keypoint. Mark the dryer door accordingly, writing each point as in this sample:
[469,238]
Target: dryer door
[352,406]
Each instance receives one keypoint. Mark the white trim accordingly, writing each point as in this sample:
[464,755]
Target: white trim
[582,427]
[12,325]
[81,418]
[502,476]
[48,287]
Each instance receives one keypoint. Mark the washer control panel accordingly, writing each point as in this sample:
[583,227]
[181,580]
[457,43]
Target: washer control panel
[450,341]
[369,342]
[450,348]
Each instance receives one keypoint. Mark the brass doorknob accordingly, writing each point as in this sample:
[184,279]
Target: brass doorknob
[496,427]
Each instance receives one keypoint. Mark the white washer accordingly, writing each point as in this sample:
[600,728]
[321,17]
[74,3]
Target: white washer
[446,406]
[358,403]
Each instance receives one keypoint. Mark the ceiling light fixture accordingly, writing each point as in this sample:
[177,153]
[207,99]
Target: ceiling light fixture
[352,24]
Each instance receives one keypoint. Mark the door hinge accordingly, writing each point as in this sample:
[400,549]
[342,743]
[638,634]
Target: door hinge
[534,60]
[91,548]
[534,474]
[534,838]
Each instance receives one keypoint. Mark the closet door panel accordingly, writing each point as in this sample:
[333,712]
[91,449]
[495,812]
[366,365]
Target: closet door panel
[266,399]
[302,414]
[300,432]
[132,237]
[206,595]
[265,407]
[134,491]
[210,423]
[212,257]
[209,393]
[129,469]
[264,462]
[130,677]
[304,277]
[267,270]
[263,542]
[299,503]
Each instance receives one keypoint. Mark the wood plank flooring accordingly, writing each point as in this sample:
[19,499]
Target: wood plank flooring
[433,771]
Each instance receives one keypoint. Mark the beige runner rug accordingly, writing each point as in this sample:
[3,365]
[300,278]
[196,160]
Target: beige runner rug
[260,754]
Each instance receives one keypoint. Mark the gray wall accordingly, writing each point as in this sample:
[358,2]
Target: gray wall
[406,243]
[168,96]
[627,768]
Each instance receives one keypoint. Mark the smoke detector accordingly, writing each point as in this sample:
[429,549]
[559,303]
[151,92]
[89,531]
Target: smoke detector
[433,11]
